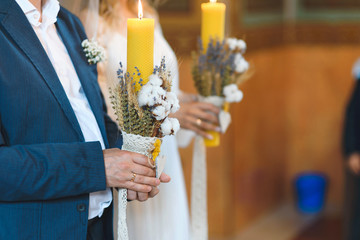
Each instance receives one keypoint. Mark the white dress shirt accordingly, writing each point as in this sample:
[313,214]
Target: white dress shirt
[60,59]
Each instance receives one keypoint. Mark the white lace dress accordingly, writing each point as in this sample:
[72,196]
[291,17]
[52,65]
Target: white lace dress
[165,217]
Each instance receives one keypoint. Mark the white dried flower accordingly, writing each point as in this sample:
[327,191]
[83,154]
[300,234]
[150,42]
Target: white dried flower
[232,43]
[159,113]
[173,101]
[175,125]
[144,98]
[167,107]
[150,95]
[85,43]
[241,65]
[166,127]
[155,80]
[170,126]
[241,45]
[232,93]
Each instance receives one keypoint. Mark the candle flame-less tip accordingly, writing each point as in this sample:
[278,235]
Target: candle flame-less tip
[140,10]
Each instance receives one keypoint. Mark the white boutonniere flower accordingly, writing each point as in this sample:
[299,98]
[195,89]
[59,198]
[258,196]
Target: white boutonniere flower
[93,51]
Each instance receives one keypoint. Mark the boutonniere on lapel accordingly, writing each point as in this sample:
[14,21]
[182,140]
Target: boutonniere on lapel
[93,51]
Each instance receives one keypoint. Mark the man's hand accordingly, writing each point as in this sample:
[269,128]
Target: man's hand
[132,195]
[353,163]
[129,170]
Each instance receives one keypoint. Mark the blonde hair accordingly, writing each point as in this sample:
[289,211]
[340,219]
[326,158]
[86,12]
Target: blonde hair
[109,13]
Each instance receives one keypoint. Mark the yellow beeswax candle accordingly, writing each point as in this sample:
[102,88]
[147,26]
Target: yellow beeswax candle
[140,48]
[212,22]
[212,142]
[216,135]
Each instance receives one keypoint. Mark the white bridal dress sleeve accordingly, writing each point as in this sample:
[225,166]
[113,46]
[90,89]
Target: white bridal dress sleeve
[165,217]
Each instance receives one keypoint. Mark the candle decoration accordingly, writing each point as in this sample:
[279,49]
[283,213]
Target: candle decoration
[142,100]
[213,22]
[140,48]
[142,115]
[219,67]
[217,74]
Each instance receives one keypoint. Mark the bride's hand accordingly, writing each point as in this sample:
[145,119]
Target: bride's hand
[198,117]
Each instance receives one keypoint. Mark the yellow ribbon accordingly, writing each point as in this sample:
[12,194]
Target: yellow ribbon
[156,150]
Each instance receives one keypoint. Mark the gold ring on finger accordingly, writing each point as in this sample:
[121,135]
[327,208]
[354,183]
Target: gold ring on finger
[133,177]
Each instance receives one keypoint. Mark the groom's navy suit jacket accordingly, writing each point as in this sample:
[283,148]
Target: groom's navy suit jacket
[46,169]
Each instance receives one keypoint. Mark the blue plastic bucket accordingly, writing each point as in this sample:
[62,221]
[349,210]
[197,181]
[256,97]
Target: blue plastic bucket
[310,189]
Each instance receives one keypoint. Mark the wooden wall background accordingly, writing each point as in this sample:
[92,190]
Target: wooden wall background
[289,121]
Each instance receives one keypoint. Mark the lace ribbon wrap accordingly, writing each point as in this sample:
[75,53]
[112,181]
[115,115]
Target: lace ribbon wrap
[138,144]
[199,221]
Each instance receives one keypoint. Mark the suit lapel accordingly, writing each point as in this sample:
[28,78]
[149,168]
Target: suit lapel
[84,71]
[23,34]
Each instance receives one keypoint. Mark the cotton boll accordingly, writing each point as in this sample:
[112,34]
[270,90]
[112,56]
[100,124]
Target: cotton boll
[155,80]
[166,127]
[229,89]
[232,93]
[158,94]
[159,91]
[150,95]
[175,125]
[237,96]
[232,43]
[159,113]
[241,44]
[145,97]
[241,65]
[175,107]
[173,101]
[167,107]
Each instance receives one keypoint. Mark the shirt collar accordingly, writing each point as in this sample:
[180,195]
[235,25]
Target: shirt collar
[50,11]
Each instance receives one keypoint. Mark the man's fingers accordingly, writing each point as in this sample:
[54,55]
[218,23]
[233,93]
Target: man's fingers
[154,192]
[143,196]
[137,187]
[147,180]
[142,160]
[131,195]
[164,178]
[144,171]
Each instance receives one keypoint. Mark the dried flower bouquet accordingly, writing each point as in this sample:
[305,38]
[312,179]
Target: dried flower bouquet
[142,109]
[217,73]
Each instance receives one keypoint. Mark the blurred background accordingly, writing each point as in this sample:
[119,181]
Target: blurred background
[291,118]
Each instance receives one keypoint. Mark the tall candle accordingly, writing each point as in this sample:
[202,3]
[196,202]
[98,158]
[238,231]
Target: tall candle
[212,28]
[213,22]
[140,48]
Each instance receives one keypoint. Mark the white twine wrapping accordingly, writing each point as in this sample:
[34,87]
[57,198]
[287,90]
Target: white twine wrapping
[199,223]
[138,144]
